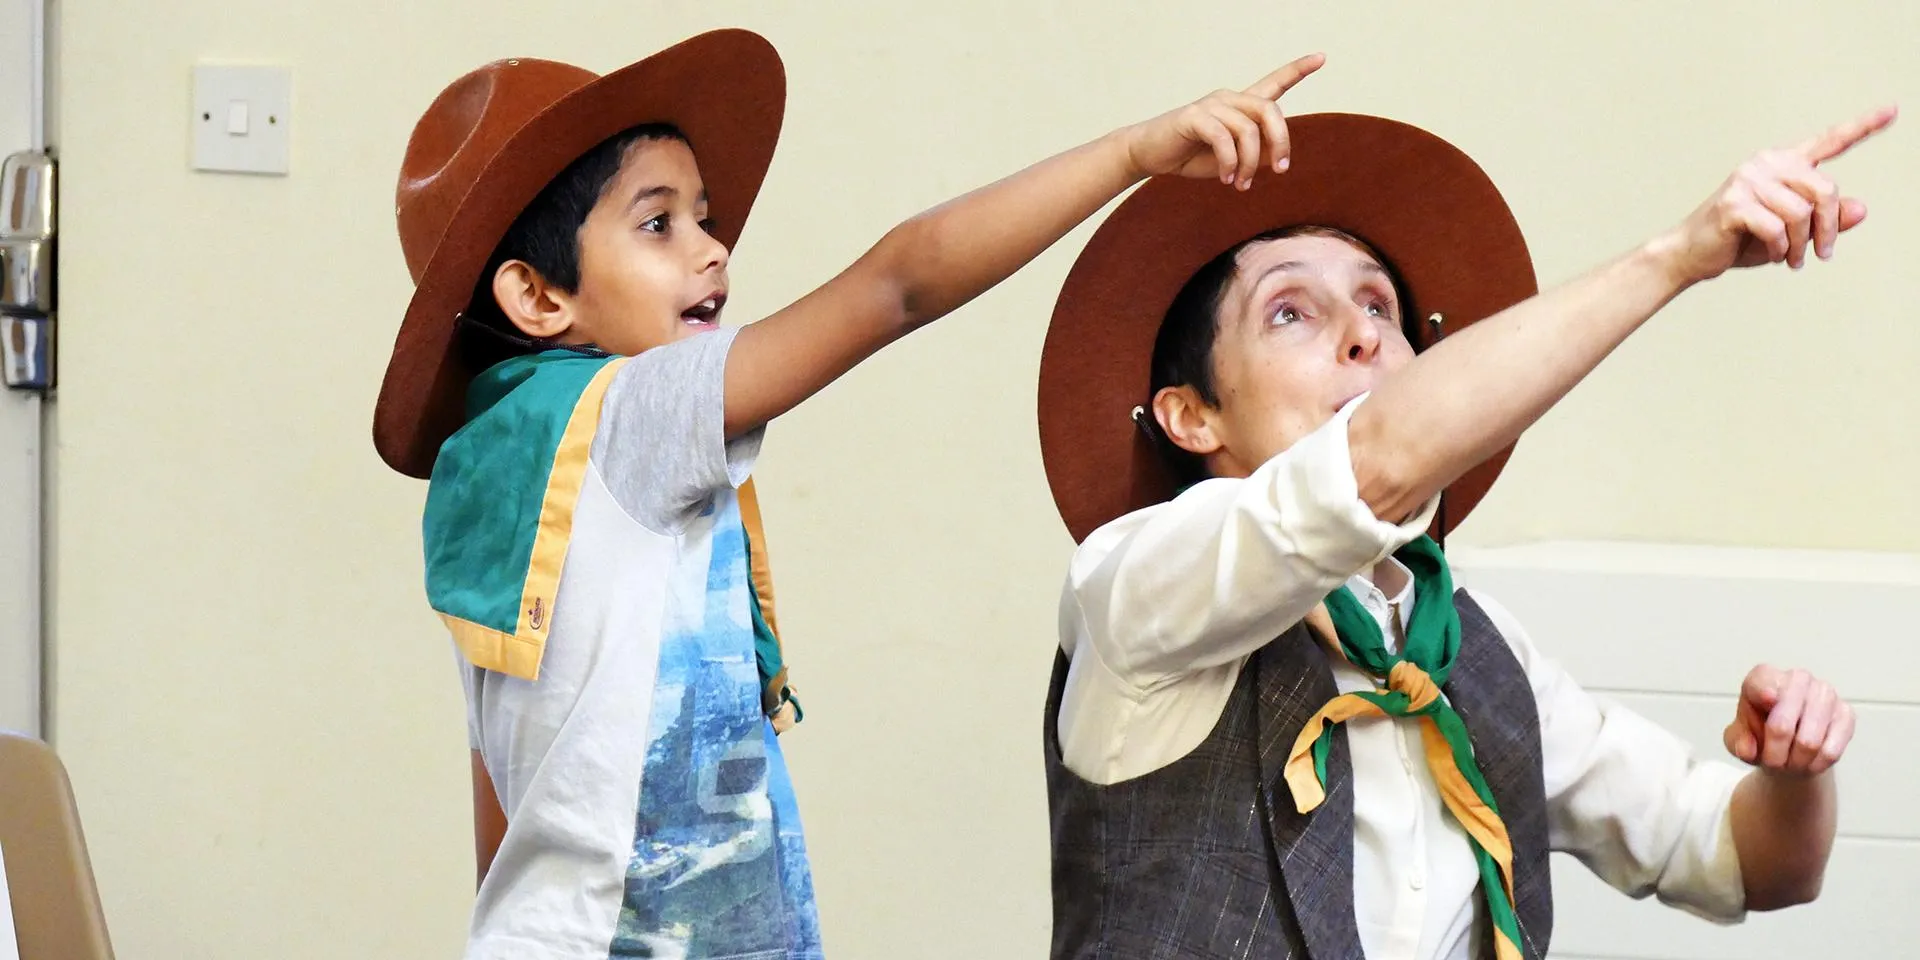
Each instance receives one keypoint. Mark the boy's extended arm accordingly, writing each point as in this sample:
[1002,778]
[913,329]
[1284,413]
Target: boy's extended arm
[932,264]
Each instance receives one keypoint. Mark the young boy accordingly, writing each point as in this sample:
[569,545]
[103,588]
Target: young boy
[1275,729]
[562,378]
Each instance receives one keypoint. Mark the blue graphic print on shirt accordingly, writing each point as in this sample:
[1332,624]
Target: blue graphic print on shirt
[719,866]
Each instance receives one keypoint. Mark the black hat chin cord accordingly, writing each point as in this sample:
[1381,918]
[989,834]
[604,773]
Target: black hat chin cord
[529,344]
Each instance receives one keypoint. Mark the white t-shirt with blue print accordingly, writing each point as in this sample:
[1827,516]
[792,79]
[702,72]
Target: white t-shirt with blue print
[650,812]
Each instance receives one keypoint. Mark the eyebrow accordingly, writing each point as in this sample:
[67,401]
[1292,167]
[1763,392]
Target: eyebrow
[651,193]
[1284,266]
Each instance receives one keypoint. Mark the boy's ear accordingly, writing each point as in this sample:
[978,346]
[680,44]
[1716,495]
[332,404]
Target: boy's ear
[539,309]
[1187,420]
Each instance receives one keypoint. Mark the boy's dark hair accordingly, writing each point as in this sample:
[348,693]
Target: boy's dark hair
[1183,349]
[546,236]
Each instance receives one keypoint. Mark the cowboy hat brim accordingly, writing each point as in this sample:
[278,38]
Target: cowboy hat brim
[726,90]
[1428,209]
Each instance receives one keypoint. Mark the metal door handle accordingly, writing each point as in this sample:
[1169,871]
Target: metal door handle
[26,271]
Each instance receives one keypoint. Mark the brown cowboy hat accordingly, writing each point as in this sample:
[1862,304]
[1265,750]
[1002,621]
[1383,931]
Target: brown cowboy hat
[1428,209]
[493,140]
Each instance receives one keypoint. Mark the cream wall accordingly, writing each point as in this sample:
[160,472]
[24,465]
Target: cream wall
[260,715]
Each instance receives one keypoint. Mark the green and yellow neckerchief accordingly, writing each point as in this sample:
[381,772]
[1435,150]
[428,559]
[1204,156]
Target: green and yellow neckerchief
[499,516]
[1413,679]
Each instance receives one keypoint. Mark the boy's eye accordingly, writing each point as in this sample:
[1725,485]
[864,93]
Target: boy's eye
[708,224]
[655,224]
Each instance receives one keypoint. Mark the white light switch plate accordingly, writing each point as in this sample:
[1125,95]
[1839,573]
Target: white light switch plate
[242,118]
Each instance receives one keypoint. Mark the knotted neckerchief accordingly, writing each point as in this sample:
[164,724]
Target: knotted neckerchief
[1413,680]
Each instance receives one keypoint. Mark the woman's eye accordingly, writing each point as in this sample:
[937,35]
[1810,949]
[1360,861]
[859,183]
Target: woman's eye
[1285,314]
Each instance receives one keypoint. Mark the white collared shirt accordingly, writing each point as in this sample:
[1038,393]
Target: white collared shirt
[1164,605]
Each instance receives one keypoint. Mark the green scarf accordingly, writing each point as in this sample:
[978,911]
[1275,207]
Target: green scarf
[1412,680]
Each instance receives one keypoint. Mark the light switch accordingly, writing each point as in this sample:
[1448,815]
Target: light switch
[242,118]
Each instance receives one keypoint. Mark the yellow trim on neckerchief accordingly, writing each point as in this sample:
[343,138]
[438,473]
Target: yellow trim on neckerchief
[782,710]
[762,568]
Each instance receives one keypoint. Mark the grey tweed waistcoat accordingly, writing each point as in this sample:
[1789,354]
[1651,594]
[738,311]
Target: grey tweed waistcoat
[1207,859]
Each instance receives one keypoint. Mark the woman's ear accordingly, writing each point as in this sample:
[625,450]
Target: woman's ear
[1187,420]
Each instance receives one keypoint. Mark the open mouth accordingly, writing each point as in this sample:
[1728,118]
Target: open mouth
[706,313]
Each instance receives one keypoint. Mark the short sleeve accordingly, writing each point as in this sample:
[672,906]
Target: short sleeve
[661,446]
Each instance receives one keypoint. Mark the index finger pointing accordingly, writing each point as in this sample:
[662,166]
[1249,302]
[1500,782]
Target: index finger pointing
[1783,720]
[1280,81]
[1761,688]
[1846,136]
